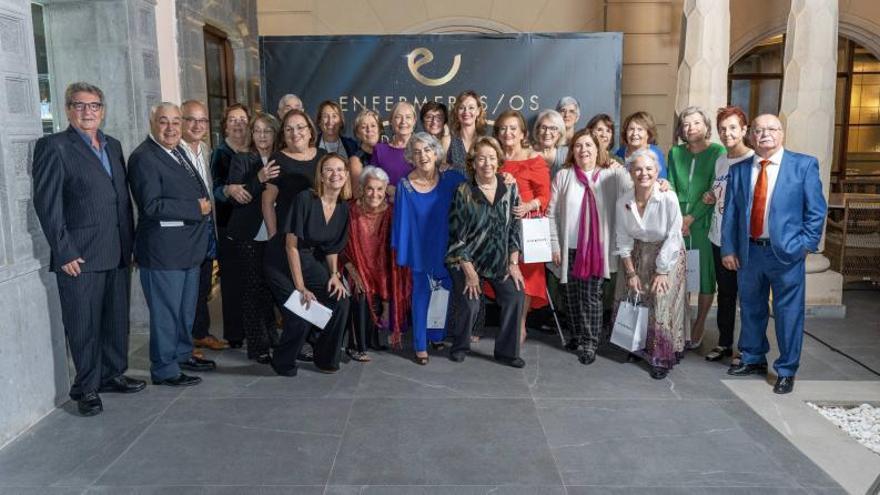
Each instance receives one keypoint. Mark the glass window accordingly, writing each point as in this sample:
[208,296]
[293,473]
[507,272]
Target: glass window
[220,78]
[43,79]
[756,78]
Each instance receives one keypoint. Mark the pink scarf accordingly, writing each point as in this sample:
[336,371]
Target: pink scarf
[588,261]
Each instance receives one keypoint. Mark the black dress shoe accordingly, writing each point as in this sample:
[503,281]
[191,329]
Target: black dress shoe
[283,372]
[263,359]
[180,380]
[89,404]
[197,364]
[586,356]
[743,369]
[509,361]
[784,385]
[658,373]
[456,356]
[123,385]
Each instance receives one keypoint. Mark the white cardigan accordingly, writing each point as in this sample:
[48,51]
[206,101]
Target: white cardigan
[611,184]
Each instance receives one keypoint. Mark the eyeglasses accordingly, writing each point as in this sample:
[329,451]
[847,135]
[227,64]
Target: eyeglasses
[196,121]
[548,128]
[757,131]
[434,118]
[79,106]
[298,128]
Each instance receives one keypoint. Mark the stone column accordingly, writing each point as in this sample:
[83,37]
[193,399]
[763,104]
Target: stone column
[704,56]
[33,352]
[807,112]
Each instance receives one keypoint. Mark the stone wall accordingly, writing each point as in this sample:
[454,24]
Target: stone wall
[33,354]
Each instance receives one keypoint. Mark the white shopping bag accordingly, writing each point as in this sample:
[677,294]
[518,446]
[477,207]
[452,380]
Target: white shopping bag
[692,283]
[536,240]
[437,306]
[631,326]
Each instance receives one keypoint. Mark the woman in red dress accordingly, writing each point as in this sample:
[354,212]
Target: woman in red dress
[533,180]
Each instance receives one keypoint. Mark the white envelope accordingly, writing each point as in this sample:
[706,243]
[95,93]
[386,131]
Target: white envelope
[317,314]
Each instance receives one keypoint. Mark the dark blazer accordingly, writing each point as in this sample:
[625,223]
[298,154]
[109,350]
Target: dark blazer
[84,213]
[797,209]
[246,219]
[172,233]
[350,145]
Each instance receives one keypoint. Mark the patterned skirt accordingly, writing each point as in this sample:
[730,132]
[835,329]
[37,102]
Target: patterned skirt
[668,321]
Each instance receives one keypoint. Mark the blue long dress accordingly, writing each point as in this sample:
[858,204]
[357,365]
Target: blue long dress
[419,235]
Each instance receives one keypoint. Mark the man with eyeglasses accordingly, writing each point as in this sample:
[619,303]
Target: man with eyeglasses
[175,233]
[774,210]
[81,198]
[195,126]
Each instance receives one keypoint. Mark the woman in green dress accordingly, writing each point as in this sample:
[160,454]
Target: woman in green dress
[691,173]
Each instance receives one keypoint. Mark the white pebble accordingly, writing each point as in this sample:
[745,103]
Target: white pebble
[861,423]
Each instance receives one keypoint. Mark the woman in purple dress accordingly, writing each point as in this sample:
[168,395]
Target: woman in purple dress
[390,156]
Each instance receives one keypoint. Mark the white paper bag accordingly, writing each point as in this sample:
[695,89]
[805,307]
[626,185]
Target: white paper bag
[437,306]
[536,240]
[631,326]
[317,314]
[692,283]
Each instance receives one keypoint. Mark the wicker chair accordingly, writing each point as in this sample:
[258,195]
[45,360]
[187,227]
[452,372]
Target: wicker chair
[853,243]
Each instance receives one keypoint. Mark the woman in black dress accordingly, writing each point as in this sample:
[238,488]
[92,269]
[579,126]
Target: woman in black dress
[318,233]
[246,233]
[297,161]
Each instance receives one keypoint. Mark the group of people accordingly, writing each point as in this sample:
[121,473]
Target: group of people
[414,232]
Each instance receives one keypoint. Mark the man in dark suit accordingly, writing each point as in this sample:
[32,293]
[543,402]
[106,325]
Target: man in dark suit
[174,235]
[774,210]
[81,198]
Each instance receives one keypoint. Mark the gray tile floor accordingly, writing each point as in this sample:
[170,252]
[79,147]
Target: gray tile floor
[392,427]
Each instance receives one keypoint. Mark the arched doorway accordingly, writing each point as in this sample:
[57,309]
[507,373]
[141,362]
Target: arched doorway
[755,84]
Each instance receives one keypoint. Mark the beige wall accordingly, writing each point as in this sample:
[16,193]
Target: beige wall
[650,41]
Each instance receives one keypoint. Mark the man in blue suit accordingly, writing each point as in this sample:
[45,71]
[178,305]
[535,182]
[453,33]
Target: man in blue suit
[773,215]
[174,235]
[81,198]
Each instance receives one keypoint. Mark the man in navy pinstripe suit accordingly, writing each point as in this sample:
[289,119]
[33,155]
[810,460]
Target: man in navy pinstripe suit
[81,198]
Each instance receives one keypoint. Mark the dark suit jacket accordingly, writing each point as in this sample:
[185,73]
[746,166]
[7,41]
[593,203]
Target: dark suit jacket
[172,233]
[246,219]
[84,213]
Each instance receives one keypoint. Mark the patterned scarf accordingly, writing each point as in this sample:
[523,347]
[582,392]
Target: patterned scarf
[588,261]
[369,250]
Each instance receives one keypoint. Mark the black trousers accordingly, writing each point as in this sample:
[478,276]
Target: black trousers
[202,323]
[727,290]
[230,289]
[508,297]
[94,310]
[257,316]
[328,344]
[364,333]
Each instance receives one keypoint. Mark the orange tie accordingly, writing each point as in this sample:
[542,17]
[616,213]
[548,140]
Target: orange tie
[759,202]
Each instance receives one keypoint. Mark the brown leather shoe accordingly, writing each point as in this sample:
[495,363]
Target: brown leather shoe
[212,343]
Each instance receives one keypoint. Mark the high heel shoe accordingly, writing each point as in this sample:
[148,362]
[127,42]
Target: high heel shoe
[719,353]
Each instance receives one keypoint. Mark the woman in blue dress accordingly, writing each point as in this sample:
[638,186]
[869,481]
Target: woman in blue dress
[420,232]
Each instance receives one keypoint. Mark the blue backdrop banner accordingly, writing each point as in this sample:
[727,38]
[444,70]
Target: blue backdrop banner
[526,72]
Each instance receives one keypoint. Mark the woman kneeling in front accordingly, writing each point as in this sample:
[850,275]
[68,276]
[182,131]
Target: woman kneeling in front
[484,245]
[650,246]
[318,233]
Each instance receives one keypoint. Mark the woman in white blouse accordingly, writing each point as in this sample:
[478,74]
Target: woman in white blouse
[581,213]
[651,250]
